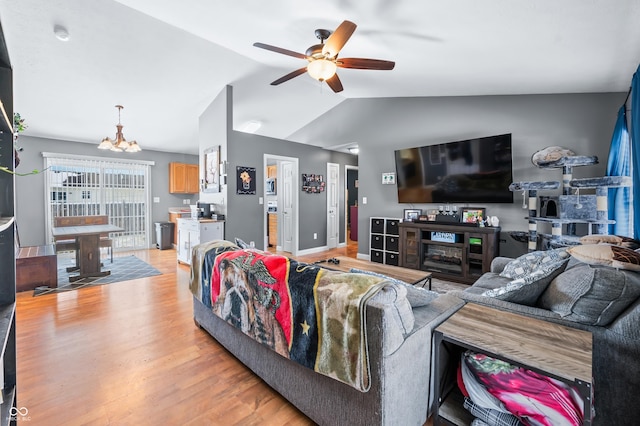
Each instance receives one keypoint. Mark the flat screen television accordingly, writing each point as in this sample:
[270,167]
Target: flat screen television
[469,171]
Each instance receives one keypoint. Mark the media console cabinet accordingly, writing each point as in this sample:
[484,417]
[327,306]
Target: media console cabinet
[451,251]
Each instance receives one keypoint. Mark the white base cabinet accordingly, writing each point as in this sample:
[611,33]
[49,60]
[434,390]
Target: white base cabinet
[192,232]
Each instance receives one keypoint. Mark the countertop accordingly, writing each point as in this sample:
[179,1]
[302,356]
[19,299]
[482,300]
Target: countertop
[201,220]
[179,210]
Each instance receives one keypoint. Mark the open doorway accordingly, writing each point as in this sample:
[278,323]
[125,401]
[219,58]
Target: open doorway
[280,204]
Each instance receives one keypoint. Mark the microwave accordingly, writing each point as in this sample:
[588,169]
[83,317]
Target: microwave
[270,186]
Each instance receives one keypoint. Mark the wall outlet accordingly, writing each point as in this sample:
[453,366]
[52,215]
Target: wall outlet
[364,200]
[315,235]
[186,201]
[156,199]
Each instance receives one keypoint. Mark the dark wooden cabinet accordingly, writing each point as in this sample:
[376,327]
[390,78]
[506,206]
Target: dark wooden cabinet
[453,252]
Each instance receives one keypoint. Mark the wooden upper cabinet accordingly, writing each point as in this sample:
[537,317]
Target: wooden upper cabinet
[193,173]
[183,178]
[272,171]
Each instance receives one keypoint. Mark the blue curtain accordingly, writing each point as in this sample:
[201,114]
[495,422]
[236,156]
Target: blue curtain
[635,150]
[619,164]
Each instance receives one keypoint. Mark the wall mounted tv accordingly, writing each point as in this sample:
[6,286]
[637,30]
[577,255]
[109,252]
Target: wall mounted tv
[469,171]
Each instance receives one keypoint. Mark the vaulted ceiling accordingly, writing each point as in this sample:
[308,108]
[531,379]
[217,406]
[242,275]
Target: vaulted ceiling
[166,60]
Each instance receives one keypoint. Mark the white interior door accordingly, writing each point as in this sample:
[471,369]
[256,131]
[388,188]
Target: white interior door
[333,218]
[286,214]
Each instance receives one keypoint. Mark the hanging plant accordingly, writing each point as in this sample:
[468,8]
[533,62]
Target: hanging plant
[18,127]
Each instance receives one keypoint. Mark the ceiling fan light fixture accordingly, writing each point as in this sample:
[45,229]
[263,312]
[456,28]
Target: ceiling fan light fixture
[322,69]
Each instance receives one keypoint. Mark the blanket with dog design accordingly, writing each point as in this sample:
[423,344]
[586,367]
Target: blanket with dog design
[306,313]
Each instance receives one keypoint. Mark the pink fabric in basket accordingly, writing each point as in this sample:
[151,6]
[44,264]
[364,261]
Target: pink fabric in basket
[535,399]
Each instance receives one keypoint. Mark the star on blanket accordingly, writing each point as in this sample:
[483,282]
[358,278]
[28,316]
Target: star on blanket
[305,327]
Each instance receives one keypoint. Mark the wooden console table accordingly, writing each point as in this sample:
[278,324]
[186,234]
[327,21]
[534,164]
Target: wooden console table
[547,348]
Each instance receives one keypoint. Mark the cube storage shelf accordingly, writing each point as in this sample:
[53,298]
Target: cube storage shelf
[384,240]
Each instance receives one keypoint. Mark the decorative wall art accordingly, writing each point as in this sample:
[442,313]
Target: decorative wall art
[211,181]
[246,180]
[313,184]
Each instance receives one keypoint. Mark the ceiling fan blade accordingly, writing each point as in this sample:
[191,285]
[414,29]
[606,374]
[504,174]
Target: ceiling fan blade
[289,76]
[365,64]
[335,83]
[280,50]
[337,40]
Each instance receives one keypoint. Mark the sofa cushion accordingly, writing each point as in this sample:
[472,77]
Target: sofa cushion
[616,240]
[593,295]
[528,276]
[538,262]
[527,290]
[416,296]
[607,255]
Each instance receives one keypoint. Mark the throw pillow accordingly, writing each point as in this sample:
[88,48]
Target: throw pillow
[535,262]
[240,243]
[616,240]
[527,290]
[415,295]
[607,255]
[591,295]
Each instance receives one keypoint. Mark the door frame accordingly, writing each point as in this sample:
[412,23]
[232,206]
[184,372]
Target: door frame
[347,167]
[336,189]
[296,207]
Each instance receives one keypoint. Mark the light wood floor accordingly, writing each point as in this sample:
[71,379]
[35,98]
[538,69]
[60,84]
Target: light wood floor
[129,353]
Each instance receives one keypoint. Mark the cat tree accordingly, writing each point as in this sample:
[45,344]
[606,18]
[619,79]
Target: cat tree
[564,211]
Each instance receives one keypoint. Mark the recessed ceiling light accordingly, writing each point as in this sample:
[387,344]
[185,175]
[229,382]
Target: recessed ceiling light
[61,33]
[250,126]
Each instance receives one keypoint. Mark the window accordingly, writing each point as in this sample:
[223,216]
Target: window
[118,188]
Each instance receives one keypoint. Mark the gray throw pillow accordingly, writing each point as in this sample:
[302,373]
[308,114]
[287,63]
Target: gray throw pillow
[592,295]
[415,295]
[540,262]
[240,243]
[527,289]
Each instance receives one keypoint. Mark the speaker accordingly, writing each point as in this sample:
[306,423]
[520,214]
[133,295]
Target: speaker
[549,207]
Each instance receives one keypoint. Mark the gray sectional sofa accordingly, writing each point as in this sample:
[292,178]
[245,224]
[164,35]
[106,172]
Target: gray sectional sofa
[398,328]
[600,299]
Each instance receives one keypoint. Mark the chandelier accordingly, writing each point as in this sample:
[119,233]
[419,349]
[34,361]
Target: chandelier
[120,143]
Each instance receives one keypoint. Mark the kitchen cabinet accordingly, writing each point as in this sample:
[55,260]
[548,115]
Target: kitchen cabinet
[272,229]
[192,232]
[183,178]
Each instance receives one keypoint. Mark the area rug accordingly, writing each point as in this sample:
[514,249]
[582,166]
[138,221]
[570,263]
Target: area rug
[122,269]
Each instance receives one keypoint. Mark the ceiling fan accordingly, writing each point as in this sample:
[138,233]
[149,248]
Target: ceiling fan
[323,58]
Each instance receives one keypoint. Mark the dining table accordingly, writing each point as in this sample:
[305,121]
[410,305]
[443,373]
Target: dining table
[88,247]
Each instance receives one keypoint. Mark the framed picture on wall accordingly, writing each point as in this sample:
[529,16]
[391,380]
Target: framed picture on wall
[211,172]
[245,180]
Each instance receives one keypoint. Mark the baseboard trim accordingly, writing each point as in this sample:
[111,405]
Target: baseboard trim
[363,257]
[312,250]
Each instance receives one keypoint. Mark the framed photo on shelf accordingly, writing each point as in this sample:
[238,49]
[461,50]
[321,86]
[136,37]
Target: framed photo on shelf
[412,214]
[472,214]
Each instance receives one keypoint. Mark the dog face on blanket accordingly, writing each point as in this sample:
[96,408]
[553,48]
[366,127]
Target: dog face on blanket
[249,306]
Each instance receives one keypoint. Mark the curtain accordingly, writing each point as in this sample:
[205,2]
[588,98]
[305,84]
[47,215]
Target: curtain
[619,164]
[635,150]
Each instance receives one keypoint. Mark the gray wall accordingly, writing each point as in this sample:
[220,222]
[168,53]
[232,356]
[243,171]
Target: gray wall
[581,122]
[30,204]
[245,218]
